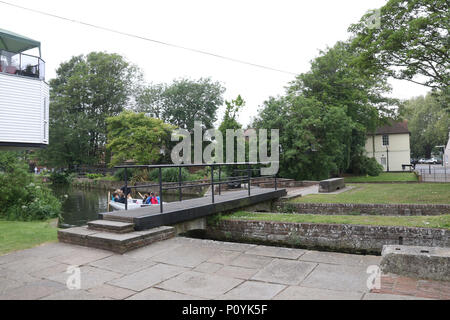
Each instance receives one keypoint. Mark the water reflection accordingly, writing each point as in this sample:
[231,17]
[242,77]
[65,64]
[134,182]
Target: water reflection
[82,205]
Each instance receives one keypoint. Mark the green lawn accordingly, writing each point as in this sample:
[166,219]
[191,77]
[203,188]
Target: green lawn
[18,235]
[384,177]
[431,193]
[442,221]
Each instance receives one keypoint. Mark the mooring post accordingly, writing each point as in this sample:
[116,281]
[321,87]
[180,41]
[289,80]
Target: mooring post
[212,183]
[249,177]
[220,184]
[160,190]
[126,190]
[179,183]
[275,181]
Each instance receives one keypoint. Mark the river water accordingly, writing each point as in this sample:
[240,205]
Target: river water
[81,205]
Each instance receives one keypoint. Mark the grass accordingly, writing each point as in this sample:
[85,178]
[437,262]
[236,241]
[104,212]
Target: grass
[18,235]
[420,193]
[384,177]
[442,221]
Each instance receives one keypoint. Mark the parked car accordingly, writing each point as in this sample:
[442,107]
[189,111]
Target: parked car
[422,160]
[431,161]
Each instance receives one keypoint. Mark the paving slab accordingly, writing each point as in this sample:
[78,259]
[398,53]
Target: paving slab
[340,258]
[28,265]
[337,277]
[7,284]
[252,290]
[159,294]
[237,272]
[224,257]
[152,249]
[73,295]
[218,245]
[384,296]
[113,292]
[303,293]
[251,261]
[122,264]
[276,252]
[208,267]
[33,290]
[208,286]
[285,271]
[82,255]
[185,256]
[90,277]
[148,277]
[17,275]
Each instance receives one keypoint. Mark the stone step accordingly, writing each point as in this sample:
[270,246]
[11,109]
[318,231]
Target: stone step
[116,242]
[111,226]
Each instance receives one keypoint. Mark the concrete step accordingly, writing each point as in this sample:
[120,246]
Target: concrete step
[116,242]
[111,226]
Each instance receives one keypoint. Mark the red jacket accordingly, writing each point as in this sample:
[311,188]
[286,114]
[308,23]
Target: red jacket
[153,200]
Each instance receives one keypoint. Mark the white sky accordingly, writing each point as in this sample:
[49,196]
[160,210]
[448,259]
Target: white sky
[281,34]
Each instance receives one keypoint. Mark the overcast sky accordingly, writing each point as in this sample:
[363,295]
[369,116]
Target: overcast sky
[280,34]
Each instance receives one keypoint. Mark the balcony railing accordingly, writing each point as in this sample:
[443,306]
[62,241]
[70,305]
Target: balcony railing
[22,65]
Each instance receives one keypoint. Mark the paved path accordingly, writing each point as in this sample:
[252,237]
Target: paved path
[183,268]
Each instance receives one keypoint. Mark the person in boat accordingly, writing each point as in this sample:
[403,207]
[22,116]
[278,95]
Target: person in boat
[127,191]
[154,199]
[149,198]
[146,195]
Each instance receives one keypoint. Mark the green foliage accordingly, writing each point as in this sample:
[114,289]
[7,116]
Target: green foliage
[134,136]
[169,174]
[410,43]
[367,166]
[183,102]
[325,115]
[22,196]
[86,91]
[62,177]
[94,175]
[119,174]
[428,123]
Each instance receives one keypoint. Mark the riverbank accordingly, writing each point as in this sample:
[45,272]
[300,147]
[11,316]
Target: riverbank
[19,235]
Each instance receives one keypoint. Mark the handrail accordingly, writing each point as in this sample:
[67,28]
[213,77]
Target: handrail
[21,68]
[188,184]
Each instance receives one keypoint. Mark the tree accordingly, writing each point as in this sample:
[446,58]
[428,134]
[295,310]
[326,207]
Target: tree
[137,137]
[428,123]
[412,40]
[87,90]
[183,102]
[336,80]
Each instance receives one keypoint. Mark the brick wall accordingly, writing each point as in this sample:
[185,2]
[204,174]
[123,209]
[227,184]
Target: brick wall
[336,237]
[375,209]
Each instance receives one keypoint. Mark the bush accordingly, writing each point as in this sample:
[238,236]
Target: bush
[94,175]
[367,166]
[23,196]
[62,177]
[169,174]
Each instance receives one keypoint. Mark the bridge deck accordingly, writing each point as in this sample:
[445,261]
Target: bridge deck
[179,211]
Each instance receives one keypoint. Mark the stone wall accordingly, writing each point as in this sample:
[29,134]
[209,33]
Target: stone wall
[334,237]
[364,208]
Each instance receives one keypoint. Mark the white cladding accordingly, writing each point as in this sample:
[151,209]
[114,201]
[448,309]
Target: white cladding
[24,109]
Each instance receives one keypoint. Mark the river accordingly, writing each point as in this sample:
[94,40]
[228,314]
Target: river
[81,205]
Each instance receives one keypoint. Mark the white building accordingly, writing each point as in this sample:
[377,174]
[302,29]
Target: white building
[24,94]
[446,158]
[389,145]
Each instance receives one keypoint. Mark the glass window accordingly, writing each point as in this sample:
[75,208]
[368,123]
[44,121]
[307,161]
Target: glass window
[385,140]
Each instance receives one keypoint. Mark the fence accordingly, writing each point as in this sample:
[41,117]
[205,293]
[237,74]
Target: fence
[434,174]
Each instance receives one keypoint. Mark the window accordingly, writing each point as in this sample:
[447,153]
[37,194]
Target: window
[385,140]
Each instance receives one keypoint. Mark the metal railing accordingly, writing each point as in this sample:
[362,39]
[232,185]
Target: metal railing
[22,64]
[190,184]
[434,174]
